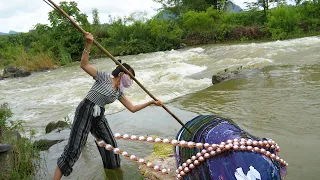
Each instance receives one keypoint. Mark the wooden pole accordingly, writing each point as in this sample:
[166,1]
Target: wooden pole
[116,61]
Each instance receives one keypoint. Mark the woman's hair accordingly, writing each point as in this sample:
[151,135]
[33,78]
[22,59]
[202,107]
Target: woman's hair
[118,70]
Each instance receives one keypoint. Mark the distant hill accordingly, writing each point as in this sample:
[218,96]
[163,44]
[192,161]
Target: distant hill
[10,32]
[231,7]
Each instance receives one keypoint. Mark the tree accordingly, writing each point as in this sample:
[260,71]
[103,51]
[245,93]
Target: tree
[264,4]
[95,15]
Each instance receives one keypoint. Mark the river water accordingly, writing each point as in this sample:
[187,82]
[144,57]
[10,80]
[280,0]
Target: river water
[280,99]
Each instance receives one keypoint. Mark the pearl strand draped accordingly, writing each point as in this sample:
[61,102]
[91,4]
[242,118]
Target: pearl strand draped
[210,150]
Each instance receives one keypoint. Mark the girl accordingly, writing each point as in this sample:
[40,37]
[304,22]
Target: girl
[89,115]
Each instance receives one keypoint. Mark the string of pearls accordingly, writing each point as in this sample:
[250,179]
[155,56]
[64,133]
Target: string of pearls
[210,150]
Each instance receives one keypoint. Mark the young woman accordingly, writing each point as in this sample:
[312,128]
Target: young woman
[89,115]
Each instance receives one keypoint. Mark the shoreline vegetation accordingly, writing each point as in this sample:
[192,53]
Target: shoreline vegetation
[177,26]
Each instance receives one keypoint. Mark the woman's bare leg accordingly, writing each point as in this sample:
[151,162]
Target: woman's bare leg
[57,174]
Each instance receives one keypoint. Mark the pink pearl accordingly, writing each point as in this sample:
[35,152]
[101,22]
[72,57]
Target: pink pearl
[228,147]
[221,146]
[177,171]
[149,165]
[156,168]
[262,150]
[268,153]
[179,176]
[126,137]
[133,157]
[180,168]
[218,150]
[101,143]
[222,143]
[183,143]
[236,143]
[184,165]
[117,135]
[199,145]
[149,139]
[196,162]
[189,161]
[229,141]
[242,143]
[193,158]
[249,143]
[277,158]
[210,148]
[164,171]
[265,142]
[182,173]
[272,147]
[206,155]
[142,138]
[270,141]
[190,144]
[198,154]
[243,148]
[212,153]
[174,142]
[201,159]
[236,147]
[272,156]
[236,140]
[256,149]
[249,148]
[125,154]
[108,147]
[260,143]
[116,150]
[157,140]
[133,137]
[267,145]
[255,143]
[214,146]
[141,161]
[166,141]
[191,166]
[203,151]
[206,145]
[186,170]
[281,160]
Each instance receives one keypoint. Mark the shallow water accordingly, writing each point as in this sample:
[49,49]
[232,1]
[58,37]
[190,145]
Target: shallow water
[279,100]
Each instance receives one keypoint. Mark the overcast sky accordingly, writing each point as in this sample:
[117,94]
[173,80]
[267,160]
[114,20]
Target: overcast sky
[22,15]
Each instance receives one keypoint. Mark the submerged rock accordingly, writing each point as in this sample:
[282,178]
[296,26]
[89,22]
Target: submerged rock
[234,74]
[10,72]
[56,125]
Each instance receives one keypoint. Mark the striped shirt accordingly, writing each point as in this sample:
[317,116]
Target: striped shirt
[102,91]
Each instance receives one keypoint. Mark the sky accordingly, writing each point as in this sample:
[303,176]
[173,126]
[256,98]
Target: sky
[23,15]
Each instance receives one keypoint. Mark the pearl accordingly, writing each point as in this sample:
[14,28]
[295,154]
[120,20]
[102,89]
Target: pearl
[210,148]
[256,149]
[212,153]
[203,151]
[174,142]
[242,143]
[268,153]
[156,168]
[278,158]
[164,171]
[249,148]
[191,166]
[191,144]
[201,159]
[262,150]
[182,173]
[180,168]
[189,161]
[214,146]
[206,145]
[236,147]
[242,139]
[265,142]
[125,154]
[235,140]
[133,157]
[267,145]
[196,162]
[117,135]
[255,143]
[157,140]
[218,150]
[228,147]
[142,138]
[166,141]
[221,146]
[133,137]
[272,156]
[116,150]
[206,155]
[198,154]
[236,143]
[179,176]
[222,143]
[272,147]
[126,137]
[149,165]
[249,143]
[243,148]
[141,161]
[193,158]
[183,143]
[260,143]
[149,139]
[186,170]
[184,165]
[229,141]
[199,145]
[101,143]
[177,171]
[108,147]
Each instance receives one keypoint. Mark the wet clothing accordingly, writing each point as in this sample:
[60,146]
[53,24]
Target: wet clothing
[101,93]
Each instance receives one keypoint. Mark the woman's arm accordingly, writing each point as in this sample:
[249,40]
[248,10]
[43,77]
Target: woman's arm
[91,70]
[134,108]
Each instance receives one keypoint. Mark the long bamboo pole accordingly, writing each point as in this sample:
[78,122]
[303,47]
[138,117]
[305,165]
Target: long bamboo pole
[115,60]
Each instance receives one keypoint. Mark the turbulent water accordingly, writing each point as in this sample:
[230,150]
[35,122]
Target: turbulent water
[280,99]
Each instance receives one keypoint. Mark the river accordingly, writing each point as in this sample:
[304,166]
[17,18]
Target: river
[281,100]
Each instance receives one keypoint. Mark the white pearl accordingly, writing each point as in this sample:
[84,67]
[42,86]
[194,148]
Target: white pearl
[164,171]
[198,154]
[150,139]
[189,161]
[177,171]
[214,146]
[157,140]
[174,142]
[116,150]
[203,151]
[133,137]
[212,153]
[166,141]
[156,168]
[125,154]
[133,157]
[191,166]
[201,159]
[126,137]
[183,143]
[210,148]
[108,147]
[101,143]
[117,135]
[236,140]
[149,165]
[206,145]
[196,162]
[180,168]
[186,170]
[193,158]
[190,144]
[206,155]
[141,161]
[199,145]
[182,173]
[142,138]
[184,165]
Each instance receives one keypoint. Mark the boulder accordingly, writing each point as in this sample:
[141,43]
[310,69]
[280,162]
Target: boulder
[227,74]
[56,125]
[45,144]
[10,72]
